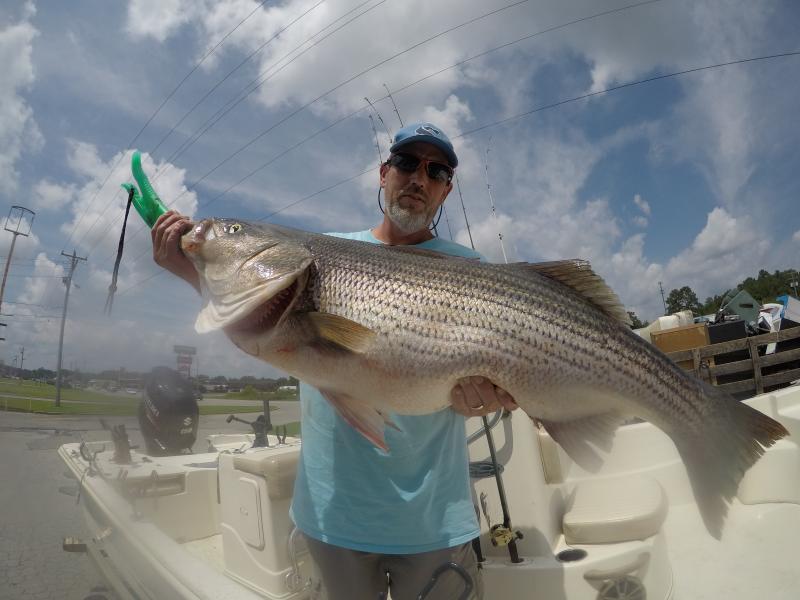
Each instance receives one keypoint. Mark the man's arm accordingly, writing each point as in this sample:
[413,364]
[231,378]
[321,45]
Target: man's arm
[477,397]
[166,235]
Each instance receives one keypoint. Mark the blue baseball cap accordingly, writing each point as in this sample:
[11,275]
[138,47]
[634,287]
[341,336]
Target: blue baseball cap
[427,133]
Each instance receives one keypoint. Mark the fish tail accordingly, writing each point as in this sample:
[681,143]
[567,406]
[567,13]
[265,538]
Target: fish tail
[717,454]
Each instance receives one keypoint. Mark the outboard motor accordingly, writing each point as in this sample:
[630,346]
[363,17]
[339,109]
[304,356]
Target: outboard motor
[168,413]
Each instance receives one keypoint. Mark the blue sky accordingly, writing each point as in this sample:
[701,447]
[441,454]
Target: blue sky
[690,180]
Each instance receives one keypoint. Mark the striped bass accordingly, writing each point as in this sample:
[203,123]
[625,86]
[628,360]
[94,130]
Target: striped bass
[391,329]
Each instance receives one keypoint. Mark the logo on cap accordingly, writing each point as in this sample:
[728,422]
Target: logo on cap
[428,130]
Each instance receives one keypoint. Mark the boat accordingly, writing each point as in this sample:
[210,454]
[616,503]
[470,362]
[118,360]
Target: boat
[215,524]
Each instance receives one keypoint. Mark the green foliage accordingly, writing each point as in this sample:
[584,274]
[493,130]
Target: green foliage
[713,304]
[683,299]
[767,286]
[636,322]
[764,288]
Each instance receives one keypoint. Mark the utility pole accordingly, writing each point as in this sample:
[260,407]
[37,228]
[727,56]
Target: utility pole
[21,358]
[18,222]
[74,258]
[661,287]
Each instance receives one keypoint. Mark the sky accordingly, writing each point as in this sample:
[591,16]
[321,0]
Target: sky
[281,110]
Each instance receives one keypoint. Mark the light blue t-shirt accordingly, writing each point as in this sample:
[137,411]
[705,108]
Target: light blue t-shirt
[414,499]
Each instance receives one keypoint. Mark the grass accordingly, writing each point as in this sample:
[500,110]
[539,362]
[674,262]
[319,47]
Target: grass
[120,407]
[33,389]
[251,394]
[39,398]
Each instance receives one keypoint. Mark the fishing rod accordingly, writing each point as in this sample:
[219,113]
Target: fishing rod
[491,200]
[501,535]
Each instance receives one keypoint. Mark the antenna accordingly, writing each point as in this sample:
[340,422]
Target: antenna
[661,287]
[491,201]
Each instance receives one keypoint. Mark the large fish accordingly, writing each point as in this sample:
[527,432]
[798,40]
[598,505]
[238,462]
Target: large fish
[380,329]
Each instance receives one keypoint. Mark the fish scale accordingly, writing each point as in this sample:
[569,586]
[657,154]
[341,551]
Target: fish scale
[383,330]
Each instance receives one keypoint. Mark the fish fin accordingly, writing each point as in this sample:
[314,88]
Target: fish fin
[574,436]
[362,417]
[578,275]
[341,331]
[389,423]
[718,451]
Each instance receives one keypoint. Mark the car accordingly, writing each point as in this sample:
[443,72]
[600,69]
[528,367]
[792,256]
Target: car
[132,391]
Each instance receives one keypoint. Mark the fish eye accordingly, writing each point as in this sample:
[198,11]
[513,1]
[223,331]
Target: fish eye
[233,228]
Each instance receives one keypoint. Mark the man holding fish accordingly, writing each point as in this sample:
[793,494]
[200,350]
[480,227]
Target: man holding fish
[384,518]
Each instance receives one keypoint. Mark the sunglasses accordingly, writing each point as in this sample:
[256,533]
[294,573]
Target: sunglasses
[408,163]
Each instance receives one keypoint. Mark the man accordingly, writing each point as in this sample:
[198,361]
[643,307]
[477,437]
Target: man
[377,521]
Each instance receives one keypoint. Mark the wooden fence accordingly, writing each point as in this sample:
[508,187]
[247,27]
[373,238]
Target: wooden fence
[707,369]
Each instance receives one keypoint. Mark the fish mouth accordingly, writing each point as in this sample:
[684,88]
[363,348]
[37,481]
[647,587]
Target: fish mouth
[268,314]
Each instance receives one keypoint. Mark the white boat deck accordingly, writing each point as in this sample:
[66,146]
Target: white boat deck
[209,550]
[756,558]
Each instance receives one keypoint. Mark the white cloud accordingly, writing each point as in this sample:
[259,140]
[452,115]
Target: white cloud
[796,236]
[19,132]
[49,196]
[37,288]
[643,205]
[159,18]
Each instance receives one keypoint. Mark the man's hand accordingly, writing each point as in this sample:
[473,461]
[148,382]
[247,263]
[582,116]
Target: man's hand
[166,235]
[477,397]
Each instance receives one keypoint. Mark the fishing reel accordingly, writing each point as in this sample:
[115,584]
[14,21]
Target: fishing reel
[500,535]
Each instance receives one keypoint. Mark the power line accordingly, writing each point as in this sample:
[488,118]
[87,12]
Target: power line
[349,80]
[263,77]
[192,138]
[623,86]
[561,103]
[526,113]
[232,71]
[149,120]
[333,89]
[408,86]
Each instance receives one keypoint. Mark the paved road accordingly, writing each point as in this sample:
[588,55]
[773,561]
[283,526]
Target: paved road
[35,516]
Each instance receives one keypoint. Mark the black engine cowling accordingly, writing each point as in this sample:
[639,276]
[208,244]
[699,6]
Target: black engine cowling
[168,413]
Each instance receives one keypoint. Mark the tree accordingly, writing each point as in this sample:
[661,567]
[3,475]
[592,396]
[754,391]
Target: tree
[636,322]
[683,299]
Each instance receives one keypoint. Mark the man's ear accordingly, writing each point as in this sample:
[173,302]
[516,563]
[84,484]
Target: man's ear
[446,192]
[384,169]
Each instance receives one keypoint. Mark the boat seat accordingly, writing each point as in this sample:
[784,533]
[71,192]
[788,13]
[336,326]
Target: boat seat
[614,510]
[278,468]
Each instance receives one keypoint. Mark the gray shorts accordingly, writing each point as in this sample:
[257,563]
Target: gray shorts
[343,574]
